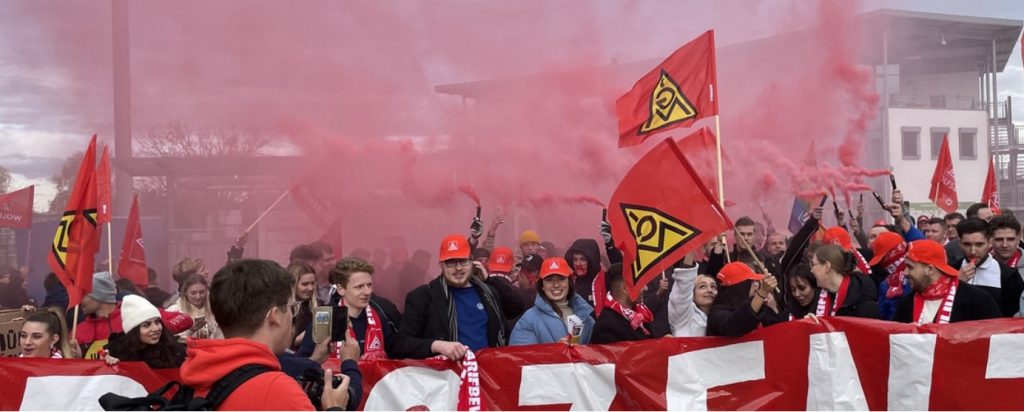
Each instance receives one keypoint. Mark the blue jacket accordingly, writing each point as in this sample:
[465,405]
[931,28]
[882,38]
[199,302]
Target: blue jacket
[540,324]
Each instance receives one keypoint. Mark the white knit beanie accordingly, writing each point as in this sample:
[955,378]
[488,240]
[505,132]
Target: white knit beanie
[135,310]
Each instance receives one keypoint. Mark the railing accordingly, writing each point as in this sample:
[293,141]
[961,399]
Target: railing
[954,102]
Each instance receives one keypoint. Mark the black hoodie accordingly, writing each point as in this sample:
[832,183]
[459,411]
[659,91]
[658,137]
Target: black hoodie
[584,286]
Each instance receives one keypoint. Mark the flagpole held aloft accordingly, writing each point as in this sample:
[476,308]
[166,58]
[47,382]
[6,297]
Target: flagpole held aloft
[110,249]
[721,183]
[264,214]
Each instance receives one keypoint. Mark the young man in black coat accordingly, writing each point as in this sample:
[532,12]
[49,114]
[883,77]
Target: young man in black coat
[980,269]
[624,319]
[453,313]
[935,284]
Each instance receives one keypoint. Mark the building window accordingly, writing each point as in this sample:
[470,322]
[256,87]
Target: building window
[968,144]
[937,134]
[911,146]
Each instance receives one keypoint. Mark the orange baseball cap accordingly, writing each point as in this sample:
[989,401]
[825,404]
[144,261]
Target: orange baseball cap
[932,253]
[838,236]
[737,272]
[454,247]
[501,260]
[554,266]
[884,243]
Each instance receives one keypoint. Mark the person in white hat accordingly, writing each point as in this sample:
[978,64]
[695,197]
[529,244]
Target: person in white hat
[145,338]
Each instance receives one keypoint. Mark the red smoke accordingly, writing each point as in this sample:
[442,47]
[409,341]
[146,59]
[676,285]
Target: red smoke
[469,192]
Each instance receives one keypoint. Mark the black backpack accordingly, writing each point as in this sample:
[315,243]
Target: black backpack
[184,399]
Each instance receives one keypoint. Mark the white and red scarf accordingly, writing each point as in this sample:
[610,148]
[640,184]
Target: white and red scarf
[469,390]
[1012,262]
[894,264]
[373,345]
[862,264]
[637,316]
[827,308]
[943,288]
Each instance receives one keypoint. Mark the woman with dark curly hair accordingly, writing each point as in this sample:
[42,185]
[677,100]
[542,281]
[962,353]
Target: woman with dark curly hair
[146,339]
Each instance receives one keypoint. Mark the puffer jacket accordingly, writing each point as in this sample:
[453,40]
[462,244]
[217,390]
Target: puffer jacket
[540,324]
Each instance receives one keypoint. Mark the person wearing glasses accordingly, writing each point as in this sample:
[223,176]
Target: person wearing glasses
[253,301]
[452,314]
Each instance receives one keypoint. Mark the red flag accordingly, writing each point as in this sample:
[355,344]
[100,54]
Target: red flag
[16,208]
[317,208]
[677,93]
[103,188]
[700,151]
[660,212]
[943,191]
[991,192]
[132,265]
[78,236]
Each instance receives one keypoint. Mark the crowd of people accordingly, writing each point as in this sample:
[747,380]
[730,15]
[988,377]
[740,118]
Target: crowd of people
[257,312]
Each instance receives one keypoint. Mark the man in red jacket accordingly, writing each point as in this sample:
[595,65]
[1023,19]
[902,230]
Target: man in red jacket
[253,303]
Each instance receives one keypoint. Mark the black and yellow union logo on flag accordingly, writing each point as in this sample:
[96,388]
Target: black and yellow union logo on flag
[63,234]
[656,233]
[668,105]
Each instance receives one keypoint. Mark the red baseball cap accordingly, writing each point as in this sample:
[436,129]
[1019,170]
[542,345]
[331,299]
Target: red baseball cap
[454,247]
[931,253]
[555,266]
[501,260]
[838,236]
[737,272]
[884,243]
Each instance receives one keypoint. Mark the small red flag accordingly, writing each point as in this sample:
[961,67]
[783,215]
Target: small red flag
[103,189]
[317,208]
[132,265]
[77,240]
[991,191]
[660,212]
[677,93]
[16,208]
[943,190]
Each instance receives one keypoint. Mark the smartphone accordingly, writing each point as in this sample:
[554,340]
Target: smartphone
[323,317]
[339,325]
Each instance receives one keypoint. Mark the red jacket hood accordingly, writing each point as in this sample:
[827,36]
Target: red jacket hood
[208,360]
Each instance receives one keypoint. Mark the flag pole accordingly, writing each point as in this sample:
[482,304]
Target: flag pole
[721,183]
[110,249]
[264,214]
[74,327]
[28,247]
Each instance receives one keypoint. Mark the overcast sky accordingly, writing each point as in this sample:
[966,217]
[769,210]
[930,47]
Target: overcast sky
[43,115]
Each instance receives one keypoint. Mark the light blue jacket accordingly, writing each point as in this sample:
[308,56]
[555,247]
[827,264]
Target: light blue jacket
[541,324]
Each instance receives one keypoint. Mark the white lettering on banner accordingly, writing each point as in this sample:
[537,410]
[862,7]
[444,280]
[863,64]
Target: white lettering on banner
[911,357]
[10,217]
[1005,356]
[75,393]
[832,381]
[586,386]
[691,374]
[411,386]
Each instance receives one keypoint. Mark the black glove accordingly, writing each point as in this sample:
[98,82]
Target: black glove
[476,228]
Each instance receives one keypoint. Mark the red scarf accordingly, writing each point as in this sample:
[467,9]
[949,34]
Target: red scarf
[469,390]
[826,308]
[637,316]
[894,264]
[597,289]
[944,288]
[862,264]
[373,345]
[1014,259]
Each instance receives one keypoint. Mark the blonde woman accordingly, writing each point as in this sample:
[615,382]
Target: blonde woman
[305,290]
[195,302]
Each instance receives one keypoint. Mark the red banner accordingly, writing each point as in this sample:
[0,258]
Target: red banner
[841,363]
[16,208]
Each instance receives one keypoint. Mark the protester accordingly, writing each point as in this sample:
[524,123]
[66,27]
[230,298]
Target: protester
[314,257]
[954,252]
[526,280]
[12,293]
[453,313]
[840,237]
[412,274]
[889,272]
[623,318]
[980,211]
[257,325]
[181,271]
[879,228]
[935,284]
[373,320]
[845,291]
[482,255]
[744,301]
[559,314]
[195,303]
[901,220]
[152,292]
[101,316]
[1006,241]
[145,339]
[56,294]
[775,246]
[41,336]
[585,257]
[125,287]
[935,229]
[305,287]
[978,268]
[922,222]
[500,266]
[690,300]
[804,290]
